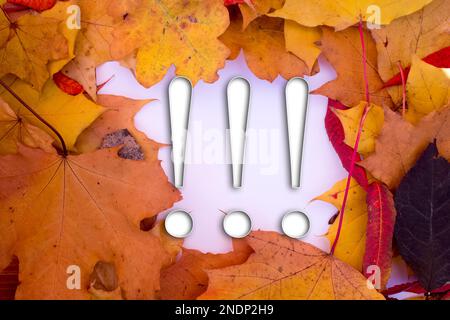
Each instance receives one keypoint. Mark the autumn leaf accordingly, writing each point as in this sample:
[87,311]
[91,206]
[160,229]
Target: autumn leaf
[9,280]
[352,239]
[380,231]
[159,29]
[351,119]
[261,34]
[420,34]
[284,268]
[336,134]
[344,13]
[301,41]
[422,224]
[14,129]
[30,42]
[70,115]
[252,9]
[76,210]
[95,39]
[344,52]
[400,144]
[66,84]
[427,90]
[187,278]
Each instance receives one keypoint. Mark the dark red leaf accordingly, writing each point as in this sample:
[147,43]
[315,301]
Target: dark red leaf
[9,280]
[67,84]
[440,59]
[336,135]
[380,231]
[231,2]
[38,5]
[413,287]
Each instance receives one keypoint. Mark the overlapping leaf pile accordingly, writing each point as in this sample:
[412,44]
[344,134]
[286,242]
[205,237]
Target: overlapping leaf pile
[70,158]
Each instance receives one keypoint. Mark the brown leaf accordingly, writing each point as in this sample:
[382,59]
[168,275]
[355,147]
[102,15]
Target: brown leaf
[284,268]
[343,50]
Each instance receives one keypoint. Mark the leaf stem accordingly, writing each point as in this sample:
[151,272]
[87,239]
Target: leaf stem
[61,139]
[358,138]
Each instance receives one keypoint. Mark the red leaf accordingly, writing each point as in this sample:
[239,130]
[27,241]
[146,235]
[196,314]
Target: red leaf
[67,84]
[413,287]
[380,231]
[9,280]
[440,59]
[336,135]
[38,5]
[231,2]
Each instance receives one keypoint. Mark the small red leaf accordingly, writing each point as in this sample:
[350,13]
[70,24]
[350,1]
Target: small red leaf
[336,135]
[67,84]
[413,287]
[38,5]
[380,231]
[231,2]
[440,59]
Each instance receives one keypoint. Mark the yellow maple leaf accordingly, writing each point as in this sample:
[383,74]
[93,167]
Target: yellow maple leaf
[252,9]
[14,130]
[169,32]
[421,33]
[69,115]
[352,240]
[261,34]
[351,119]
[301,41]
[286,269]
[28,43]
[427,89]
[344,13]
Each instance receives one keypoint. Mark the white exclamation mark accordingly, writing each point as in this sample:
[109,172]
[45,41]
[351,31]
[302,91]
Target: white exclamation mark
[296,108]
[180,93]
[238,106]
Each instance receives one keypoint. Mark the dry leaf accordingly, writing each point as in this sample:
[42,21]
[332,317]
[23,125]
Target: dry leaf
[77,210]
[187,278]
[30,42]
[264,48]
[172,32]
[14,130]
[421,34]
[70,115]
[252,9]
[351,119]
[343,51]
[352,240]
[427,90]
[345,13]
[284,268]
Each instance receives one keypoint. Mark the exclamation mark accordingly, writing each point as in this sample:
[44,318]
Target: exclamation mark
[296,108]
[180,93]
[238,106]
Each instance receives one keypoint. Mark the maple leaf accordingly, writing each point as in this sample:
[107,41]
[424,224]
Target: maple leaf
[177,33]
[336,134]
[70,115]
[252,9]
[344,13]
[301,41]
[421,230]
[343,51]
[95,39]
[14,129]
[284,268]
[427,90]
[380,231]
[30,42]
[421,34]
[261,34]
[187,278]
[352,238]
[77,210]
[400,144]
[351,119]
